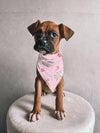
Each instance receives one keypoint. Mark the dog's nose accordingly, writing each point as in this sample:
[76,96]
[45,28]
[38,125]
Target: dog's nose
[43,42]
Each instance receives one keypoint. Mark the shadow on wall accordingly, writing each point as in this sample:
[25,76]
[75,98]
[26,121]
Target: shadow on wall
[15,81]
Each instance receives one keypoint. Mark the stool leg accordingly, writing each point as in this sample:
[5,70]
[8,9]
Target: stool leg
[60,114]
[35,113]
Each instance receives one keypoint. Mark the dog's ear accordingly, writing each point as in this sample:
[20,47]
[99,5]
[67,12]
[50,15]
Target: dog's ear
[33,27]
[65,32]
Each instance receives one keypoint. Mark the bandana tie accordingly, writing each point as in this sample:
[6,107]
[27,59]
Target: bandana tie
[51,69]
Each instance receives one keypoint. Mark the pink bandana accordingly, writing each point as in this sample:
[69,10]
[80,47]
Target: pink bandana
[50,68]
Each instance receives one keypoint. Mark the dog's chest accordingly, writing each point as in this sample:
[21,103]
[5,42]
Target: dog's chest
[51,69]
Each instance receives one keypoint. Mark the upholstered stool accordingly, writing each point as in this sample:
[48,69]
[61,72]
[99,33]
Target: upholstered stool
[80,117]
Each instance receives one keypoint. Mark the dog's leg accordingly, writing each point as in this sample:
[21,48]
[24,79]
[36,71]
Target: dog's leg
[35,113]
[60,114]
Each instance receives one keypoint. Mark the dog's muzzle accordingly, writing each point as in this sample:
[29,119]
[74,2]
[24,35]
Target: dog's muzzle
[44,45]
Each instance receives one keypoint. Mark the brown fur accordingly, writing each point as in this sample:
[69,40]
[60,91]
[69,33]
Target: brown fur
[63,32]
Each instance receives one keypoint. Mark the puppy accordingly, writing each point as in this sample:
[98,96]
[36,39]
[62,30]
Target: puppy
[49,78]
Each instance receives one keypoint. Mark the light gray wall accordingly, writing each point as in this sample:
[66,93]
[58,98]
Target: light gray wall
[81,53]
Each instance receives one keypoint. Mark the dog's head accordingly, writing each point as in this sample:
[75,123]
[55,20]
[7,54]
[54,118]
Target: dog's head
[48,35]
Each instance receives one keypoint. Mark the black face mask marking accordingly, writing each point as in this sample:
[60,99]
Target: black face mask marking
[44,42]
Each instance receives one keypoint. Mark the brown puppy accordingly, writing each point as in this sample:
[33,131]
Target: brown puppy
[47,36]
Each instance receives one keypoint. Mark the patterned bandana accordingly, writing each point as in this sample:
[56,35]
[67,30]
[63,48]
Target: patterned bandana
[51,69]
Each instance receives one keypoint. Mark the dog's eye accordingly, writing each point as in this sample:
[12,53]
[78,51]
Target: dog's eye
[38,34]
[53,35]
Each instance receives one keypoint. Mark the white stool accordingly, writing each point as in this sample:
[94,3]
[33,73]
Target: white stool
[80,115]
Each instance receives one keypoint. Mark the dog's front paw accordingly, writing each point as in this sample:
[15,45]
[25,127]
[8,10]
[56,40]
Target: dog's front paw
[34,117]
[60,115]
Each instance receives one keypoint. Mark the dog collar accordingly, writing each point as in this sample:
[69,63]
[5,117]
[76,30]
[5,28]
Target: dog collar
[51,69]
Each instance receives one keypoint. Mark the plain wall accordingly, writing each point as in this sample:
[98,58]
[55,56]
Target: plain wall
[81,54]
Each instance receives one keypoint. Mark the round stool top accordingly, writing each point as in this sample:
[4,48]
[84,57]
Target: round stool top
[79,115]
